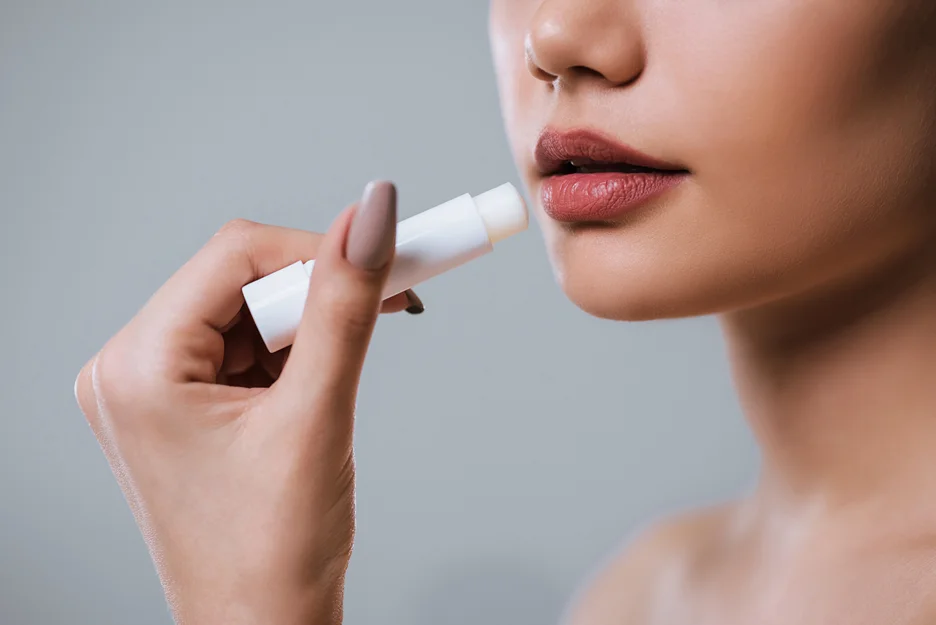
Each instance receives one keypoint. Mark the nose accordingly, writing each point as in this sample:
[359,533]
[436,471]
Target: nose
[572,39]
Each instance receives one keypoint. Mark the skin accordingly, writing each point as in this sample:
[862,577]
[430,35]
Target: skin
[808,224]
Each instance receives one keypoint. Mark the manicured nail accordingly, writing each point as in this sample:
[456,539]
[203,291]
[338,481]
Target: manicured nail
[415,304]
[372,235]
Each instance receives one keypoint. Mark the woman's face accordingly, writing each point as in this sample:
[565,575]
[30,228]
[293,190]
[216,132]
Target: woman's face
[786,143]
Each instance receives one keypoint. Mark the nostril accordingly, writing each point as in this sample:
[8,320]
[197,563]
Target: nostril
[541,74]
[582,70]
[619,80]
[533,67]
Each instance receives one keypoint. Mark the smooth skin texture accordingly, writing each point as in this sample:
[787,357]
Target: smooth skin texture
[244,487]
[808,223]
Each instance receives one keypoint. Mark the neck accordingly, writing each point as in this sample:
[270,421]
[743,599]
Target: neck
[840,388]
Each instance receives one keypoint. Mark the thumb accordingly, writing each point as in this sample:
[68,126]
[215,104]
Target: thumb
[345,294]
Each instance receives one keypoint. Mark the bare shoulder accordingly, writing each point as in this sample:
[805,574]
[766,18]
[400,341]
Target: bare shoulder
[648,571]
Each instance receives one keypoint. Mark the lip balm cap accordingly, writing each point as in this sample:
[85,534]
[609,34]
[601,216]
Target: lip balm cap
[276,303]
[503,211]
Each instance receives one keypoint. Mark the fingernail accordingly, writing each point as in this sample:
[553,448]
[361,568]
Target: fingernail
[373,232]
[415,304]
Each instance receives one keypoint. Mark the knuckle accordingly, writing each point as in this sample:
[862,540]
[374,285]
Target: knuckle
[84,391]
[119,383]
[242,238]
[109,376]
[239,236]
[239,229]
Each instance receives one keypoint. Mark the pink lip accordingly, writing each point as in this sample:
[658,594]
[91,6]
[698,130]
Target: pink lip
[602,195]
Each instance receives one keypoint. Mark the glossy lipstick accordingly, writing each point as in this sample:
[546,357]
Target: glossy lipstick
[587,177]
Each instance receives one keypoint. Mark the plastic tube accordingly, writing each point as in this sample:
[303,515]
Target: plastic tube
[428,244]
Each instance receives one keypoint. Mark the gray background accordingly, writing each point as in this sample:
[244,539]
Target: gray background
[507,442]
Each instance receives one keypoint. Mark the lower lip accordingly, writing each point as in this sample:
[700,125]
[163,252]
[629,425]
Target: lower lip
[603,196]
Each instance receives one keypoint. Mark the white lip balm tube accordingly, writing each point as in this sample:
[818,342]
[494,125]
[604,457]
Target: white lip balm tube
[427,245]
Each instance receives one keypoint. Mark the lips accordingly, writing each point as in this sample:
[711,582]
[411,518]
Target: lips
[590,178]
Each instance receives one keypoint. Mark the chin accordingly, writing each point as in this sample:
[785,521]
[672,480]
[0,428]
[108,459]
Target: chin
[616,275]
[631,301]
[637,284]
[624,274]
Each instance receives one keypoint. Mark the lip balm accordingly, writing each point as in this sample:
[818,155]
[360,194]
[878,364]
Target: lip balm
[428,244]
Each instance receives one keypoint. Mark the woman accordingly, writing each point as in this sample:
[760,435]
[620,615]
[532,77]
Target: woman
[772,162]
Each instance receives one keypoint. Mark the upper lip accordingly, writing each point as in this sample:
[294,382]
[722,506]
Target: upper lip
[557,151]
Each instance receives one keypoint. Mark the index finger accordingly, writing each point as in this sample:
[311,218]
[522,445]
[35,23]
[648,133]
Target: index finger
[205,293]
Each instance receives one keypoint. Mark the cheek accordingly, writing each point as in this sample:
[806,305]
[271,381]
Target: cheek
[807,131]
[796,95]
[517,88]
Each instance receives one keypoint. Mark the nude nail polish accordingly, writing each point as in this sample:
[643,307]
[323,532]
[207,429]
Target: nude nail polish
[372,235]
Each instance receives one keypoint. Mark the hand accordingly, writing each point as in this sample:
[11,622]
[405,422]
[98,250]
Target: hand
[238,467]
